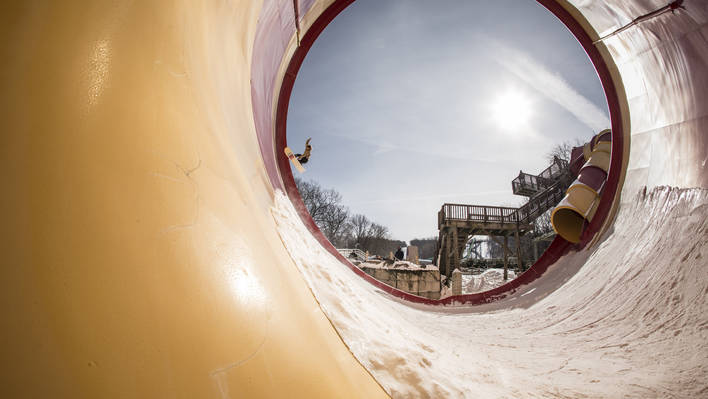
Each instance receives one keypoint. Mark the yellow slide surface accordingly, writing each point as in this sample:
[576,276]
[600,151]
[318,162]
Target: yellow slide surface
[139,254]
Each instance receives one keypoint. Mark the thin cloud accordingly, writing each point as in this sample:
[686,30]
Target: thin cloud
[386,147]
[429,197]
[551,85]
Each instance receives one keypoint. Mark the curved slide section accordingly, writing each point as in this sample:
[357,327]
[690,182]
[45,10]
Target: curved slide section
[140,257]
[577,209]
[150,251]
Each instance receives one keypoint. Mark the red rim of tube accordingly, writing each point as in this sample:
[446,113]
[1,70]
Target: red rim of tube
[558,247]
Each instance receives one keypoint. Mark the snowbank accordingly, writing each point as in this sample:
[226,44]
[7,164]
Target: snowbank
[587,329]
[489,279]
[398,265]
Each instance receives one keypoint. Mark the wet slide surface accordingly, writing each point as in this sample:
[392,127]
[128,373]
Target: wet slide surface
[150,250]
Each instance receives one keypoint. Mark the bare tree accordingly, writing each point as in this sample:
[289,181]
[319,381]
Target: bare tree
[372,237]
[326,210]
[563,150]
[377,231]
[377,239]
[318,201]
[336,223]
[360,228]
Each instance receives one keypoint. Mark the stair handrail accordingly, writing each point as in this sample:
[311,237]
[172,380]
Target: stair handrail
[347,252]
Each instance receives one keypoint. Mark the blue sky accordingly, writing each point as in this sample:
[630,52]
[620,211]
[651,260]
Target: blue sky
[411,104]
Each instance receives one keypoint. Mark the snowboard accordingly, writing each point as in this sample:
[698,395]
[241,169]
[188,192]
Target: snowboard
[294,160]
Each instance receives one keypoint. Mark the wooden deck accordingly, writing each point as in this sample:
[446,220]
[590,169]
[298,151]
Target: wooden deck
[457,222]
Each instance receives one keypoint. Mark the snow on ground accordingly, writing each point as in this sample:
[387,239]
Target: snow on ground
[487,280]
[398,265]
[628,318]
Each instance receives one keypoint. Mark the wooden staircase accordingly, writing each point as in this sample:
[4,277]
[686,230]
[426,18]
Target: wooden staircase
[457,222]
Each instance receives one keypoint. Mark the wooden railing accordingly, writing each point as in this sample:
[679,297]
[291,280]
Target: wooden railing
[557,168]
[477,213]
[353,253]
[550,186]
[529,185]
[526,214]
[537,206]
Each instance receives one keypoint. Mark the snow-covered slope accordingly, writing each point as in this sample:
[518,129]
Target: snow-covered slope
[632,322]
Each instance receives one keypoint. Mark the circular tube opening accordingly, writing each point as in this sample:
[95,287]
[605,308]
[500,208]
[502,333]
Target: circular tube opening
[558,247]
[568,224]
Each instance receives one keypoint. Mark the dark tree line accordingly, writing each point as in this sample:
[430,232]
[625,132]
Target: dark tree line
[426,247]
[343,229]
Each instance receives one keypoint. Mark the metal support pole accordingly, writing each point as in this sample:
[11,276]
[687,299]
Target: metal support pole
[519,263]
[535,250]
[506,257]
[456,252]
[448,255]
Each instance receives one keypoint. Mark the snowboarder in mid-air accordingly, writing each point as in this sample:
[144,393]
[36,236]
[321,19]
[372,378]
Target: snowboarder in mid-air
[305,156]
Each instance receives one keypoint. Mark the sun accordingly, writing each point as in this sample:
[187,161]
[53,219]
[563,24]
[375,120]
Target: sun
[512,110]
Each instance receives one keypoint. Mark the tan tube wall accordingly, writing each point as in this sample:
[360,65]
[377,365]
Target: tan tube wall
[140,259]
[139,255]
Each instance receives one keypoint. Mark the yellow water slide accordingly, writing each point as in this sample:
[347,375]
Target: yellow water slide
[577,209]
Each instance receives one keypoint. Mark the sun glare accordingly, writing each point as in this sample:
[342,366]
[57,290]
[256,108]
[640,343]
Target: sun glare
[512,110]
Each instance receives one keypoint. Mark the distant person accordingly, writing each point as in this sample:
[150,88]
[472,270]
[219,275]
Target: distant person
[305,156]
[399,254]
